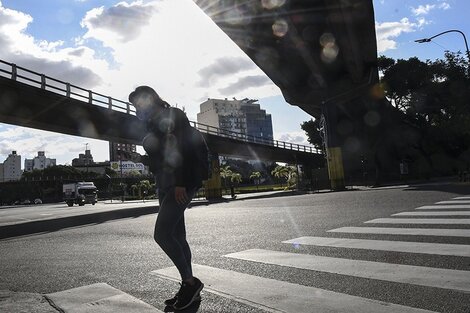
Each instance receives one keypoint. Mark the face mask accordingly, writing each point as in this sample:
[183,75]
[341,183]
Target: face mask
[142,115]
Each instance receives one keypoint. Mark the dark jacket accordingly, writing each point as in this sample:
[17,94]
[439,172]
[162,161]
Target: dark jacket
[168,145]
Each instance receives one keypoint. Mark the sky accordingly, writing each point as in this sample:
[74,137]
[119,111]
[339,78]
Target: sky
[112,46]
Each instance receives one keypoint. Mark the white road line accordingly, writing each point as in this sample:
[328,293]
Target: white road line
[99,298]
[440,207]
[462,198]
[279,296]
[404,231]
[433,213]
[461,201]
[384,245]
[445,221]
[406,274]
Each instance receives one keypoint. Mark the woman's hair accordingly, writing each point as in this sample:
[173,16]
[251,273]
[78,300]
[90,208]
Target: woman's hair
[150,91]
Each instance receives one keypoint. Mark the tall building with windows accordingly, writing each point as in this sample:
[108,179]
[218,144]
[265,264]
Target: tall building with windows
[115,148]
[12,167]
[242,116]
[39,162]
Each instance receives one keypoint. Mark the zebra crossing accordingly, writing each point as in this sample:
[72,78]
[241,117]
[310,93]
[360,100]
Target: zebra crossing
[280,296]
[273,295]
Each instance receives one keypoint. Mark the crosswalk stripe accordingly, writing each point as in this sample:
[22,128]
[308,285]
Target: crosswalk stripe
[457,201]
[444,221]
[404,231]
[99,298]
[407,274]
[279,296]
[433,213]
[384,245]
[440,207]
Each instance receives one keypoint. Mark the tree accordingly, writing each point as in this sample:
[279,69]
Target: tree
[287,173]
[236,178]
[256,177]
[225,173]
[144,187]
[56,172]
[134,188]
[312,129]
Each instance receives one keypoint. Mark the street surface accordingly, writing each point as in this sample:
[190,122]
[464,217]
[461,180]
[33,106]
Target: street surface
[385,250]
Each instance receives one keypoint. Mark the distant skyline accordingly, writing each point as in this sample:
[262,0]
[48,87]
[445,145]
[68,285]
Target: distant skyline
[112,46]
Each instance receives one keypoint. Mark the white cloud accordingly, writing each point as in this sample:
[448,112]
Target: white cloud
[387,31]
[50,58]
[293,137]
[444,6]
[422,21]
[425,9]
[122,22]
[244,83]
[223,67]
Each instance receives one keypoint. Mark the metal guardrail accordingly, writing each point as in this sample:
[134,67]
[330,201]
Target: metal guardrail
[24,75]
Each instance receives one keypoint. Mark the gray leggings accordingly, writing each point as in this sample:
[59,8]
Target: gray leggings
[170,231]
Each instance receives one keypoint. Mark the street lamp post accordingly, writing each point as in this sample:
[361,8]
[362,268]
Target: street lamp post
[423,40]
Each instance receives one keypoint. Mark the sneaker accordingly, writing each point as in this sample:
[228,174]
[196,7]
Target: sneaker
[188,295]
[172,301]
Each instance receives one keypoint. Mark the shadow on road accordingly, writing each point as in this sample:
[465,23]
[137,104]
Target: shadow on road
[457,188]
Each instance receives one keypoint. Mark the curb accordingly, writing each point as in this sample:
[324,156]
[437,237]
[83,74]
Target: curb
[50,225]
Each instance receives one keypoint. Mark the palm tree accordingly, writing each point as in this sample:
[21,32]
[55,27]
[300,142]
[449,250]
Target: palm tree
[256,176]
[280,172]
[225,173]
[288,172]
[236,178]
[292,176]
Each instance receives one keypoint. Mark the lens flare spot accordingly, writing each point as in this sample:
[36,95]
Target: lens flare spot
[352,144]
[236,17]
[378,91]
[327,39]
[272,4]
[280,28]
[330,49]
[372,118]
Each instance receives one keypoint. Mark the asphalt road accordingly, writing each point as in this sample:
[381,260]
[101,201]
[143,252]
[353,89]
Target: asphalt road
[122,253]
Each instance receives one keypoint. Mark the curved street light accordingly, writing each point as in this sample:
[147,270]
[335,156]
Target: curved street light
[447,31]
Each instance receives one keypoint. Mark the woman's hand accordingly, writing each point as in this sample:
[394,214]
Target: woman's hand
[181,196]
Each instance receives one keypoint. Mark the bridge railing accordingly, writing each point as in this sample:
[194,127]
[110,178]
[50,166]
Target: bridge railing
[252,139]
[32,78]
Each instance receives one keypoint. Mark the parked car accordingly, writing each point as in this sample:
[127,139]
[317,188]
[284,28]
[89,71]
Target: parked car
[37,201]
[26,202]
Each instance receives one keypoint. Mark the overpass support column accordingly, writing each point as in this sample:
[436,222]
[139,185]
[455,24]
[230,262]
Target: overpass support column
[213,186]
[332,143]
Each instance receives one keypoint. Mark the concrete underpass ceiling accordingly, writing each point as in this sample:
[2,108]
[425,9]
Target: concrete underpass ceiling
[315,51]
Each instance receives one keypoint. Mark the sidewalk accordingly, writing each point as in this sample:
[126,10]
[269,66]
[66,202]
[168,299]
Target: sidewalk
[16,302]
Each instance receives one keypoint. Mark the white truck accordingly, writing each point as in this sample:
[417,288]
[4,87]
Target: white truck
[80,193]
